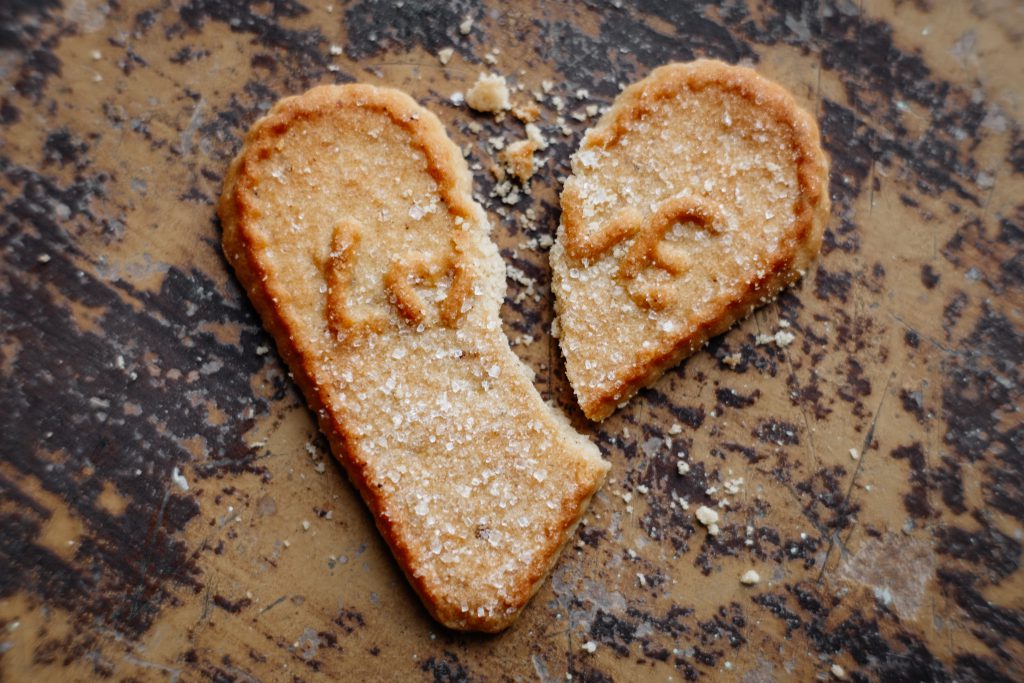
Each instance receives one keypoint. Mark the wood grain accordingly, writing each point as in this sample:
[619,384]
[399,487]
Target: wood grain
[131,364]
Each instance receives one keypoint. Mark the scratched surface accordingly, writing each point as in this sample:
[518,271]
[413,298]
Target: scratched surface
[131,364]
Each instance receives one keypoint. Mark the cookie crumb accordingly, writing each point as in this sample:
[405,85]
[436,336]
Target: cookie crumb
[489,94]
[708,518]
[179,479]
[839,672]
[533,133]
[518,159]
[589,647]
[444,55]
[733,486]
[781,338]
[750,578]
[784,338]
[733,359]
[527,113]
[466,26]
[854,454]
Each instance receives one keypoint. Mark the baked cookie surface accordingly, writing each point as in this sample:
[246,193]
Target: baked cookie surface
[348,217]
[701,193]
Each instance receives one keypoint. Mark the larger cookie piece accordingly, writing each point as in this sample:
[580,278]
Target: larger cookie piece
[349,219]
[701,193]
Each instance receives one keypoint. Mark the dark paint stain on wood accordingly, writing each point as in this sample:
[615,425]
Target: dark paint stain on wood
[731,399]
[916,499]
[446,669]
[913,403]
[777,432]
[431,25]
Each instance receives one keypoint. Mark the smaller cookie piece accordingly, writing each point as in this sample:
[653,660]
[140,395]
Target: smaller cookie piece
[700,194]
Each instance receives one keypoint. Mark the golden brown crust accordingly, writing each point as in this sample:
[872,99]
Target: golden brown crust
[341,315]
[422,268]
[305,287]
[679,91]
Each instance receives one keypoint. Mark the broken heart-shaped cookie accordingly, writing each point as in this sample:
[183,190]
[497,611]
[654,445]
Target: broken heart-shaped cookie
[348,217]
[701,193]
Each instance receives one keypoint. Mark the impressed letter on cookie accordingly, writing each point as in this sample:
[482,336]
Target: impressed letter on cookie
[701,193]
[349,219]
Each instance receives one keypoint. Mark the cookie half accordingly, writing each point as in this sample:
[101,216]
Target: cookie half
[699,195]
[349,219]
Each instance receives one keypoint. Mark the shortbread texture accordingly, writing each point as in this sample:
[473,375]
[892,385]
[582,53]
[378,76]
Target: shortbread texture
[701,193]
[348,217]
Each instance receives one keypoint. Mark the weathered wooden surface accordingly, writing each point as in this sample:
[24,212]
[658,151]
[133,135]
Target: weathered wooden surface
[128,350]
